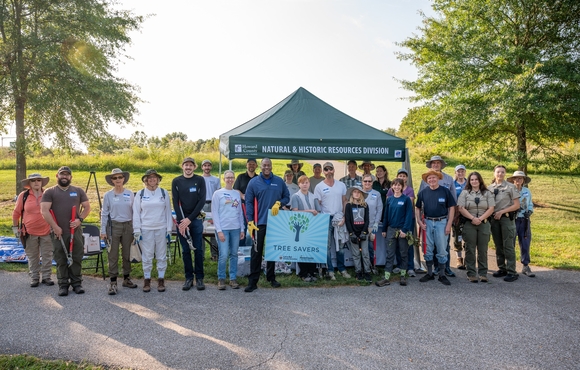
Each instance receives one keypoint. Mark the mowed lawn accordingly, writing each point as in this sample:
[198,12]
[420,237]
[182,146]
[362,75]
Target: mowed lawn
[555,222]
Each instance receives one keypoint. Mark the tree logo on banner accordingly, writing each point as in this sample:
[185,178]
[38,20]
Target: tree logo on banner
[299,224]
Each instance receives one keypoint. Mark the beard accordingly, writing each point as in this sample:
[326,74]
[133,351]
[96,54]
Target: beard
[64,182]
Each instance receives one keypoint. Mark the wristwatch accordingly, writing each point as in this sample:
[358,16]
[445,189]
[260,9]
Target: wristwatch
[82,219]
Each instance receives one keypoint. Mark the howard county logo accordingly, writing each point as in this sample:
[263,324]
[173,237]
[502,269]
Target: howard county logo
[238,148]
[398,153]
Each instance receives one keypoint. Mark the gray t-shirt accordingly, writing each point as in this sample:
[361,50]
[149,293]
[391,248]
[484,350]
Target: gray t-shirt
[62,203]
[212,184]
[118,206]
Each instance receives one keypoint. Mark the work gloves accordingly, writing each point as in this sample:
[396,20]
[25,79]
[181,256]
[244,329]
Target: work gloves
[16,231]
[375,227]
[252,227]
[275,208]
[353,239]
[363,236]
[137,237]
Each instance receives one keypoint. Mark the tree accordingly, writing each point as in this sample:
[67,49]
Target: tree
[299,224]
[500,75]
[57,76]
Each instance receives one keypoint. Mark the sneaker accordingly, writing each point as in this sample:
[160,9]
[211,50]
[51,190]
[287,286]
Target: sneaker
[411,273]
[510,277]
[483,279]
[199,285]
[34,283]
[78,289]
[160,285]
[460,264]
[312,278]
[403,281]
[382,283]
[331,275]
[396,270]
[499,273]
[368,278]
[63,291]
[345,274]
[436,271]
[187,285]
[426,278]
[127,283]
[275,284]
[147,285]
[307,279]
[250,288]
[374,271]
[113,288]
[359,276]
[47,281]
[221,284]
[472,279]
[527,271]
[234,284]
[443,280]
[449,273]
[421,270]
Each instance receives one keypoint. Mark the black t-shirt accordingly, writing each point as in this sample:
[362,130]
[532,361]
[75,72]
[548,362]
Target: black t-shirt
[436,202]
[242,181]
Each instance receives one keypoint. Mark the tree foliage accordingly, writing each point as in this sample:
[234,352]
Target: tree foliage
[499,76]
[57,79]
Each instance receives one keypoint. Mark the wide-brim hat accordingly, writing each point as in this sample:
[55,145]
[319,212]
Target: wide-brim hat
[353,188]
[429,173]
[436,158]
[26,181]
[149,173]
[295,161]
[366,162]
[527,179]
[117,171]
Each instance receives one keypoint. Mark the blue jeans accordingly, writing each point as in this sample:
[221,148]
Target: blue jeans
[228,248]
[196,232]
[436,238]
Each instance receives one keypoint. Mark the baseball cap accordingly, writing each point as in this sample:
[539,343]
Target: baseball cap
[316,165]
[328,164]
[206,161]
[64,169]
[459,167]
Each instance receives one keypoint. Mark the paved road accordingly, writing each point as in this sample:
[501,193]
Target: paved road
[530,324]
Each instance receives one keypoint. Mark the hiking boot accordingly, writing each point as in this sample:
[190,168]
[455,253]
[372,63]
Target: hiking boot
[510,277]
[78,289]
[403,281]
[160,285]
[331,275]
[527,271]
[345,274]
[483,279]
[368,278]
[426,278]
[275,284]
[47,281]
[221,284]
[250,288]
[449,273]
[199,285]
[461,263]
[113,288]
[34,283]
[187,285]
[499,273]
[234,284]
[443,280]
[63,291]
[382,283]
[472,279]
[147,285]
[411,273]
[127,283]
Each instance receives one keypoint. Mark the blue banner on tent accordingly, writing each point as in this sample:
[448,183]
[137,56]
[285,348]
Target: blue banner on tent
[297,237]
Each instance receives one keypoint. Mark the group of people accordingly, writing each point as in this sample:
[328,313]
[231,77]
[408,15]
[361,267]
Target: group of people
[363,209]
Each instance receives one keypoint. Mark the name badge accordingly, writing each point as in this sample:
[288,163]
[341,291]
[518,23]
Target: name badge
[441,200]
[146,198]
[73,194]
[325,190]
[126,196]
[401,203]
[193,189]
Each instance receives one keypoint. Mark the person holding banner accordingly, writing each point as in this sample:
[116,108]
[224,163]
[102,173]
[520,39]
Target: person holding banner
[356,215]
[304,201]
[265,191]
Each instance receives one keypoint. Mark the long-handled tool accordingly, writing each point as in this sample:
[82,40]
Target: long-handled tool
[187,234]
[72,230]
[69,260]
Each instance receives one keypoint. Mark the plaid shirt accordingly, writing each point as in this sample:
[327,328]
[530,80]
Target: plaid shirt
[351,182]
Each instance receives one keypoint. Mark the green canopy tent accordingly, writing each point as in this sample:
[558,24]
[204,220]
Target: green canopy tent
[304,127]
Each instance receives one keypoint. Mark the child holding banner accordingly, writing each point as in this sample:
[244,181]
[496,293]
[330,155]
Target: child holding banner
[356,215]
[304,201]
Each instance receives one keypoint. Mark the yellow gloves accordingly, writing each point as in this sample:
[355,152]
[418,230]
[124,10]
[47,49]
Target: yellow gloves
[252,227]
[275,208]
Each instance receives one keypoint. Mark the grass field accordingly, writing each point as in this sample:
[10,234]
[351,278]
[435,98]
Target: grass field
[555,222]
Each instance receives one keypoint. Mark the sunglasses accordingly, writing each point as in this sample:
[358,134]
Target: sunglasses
[35,180]
[117,177]
[328,168]
[367,180]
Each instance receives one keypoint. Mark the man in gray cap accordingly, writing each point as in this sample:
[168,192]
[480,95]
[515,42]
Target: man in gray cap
[189,195]
[317,178]
[61,199]
[437,164]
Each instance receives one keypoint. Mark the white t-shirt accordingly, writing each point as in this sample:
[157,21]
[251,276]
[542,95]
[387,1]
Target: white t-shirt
[212,183]
[330,196]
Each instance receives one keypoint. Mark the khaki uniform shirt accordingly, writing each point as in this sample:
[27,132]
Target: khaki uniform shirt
[506,195]
[467,201]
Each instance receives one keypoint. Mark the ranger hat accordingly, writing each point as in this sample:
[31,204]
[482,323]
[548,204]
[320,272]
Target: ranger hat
[527,179]
[116,171]
[436,158]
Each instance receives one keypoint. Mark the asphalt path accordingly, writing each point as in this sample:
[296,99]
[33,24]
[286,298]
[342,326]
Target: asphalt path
[532,323]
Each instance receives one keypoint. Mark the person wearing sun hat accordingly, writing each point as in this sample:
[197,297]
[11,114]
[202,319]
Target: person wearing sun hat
[523,229]
[367,167]
[117,227]
[296,167]
[34,229]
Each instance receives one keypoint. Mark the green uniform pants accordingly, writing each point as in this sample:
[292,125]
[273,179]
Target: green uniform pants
[476,239]
[504,238]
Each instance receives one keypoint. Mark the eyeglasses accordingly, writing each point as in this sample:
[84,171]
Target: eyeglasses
[328,168]
[367,180]
[35,180]
[117,177]
[229,178]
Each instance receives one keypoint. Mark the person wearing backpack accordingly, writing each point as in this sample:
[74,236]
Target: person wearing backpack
[29,226]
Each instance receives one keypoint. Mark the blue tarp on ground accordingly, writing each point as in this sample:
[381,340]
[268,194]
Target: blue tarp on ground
[11,250]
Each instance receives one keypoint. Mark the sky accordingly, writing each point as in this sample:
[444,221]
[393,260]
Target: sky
[206,67]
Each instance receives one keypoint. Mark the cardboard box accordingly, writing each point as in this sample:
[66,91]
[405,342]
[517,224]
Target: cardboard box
[92,243]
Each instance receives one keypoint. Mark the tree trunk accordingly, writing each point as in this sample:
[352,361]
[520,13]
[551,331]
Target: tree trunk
[20,144]
[521,150]
[297,227]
